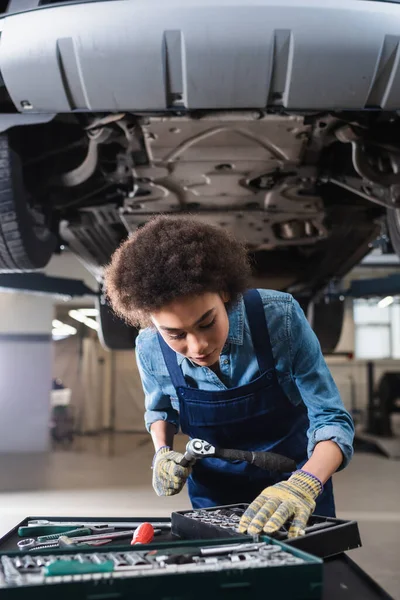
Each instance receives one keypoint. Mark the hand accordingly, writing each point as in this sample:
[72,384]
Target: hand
[293,499]
[169,476]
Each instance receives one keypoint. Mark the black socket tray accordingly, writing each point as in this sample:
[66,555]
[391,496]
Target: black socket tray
[324,536]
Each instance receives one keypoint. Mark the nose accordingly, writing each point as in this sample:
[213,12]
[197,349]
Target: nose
[197,345]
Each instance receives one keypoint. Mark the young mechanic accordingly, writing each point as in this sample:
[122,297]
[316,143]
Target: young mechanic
[237,367]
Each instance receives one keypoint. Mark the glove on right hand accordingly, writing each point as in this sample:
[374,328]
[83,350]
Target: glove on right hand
[169,476]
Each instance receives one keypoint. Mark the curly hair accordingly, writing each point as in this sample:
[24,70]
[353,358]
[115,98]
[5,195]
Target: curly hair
[171,257]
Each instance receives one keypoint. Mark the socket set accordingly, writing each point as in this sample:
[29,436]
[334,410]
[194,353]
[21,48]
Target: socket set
[226,518]
[208,523]
[221,564]
[324,536]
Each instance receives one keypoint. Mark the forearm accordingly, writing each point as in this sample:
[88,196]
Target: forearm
[162,433]
[324,461]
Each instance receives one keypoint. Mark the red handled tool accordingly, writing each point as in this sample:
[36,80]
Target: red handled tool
[144,534]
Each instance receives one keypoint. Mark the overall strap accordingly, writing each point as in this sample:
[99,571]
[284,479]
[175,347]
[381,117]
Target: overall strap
[171,361]
[259,330]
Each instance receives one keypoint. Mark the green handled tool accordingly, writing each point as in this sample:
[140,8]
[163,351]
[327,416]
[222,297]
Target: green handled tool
[33,530]
[44,529]
[76,567]
[70,533]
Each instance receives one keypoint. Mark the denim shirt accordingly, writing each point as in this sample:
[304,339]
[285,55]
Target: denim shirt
[299,363]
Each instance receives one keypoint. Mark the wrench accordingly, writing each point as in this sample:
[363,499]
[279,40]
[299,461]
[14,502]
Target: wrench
[44,526]
[197,449]
[29,543]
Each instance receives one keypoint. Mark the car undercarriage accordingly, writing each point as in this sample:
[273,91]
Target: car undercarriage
[278,122]
[288,186]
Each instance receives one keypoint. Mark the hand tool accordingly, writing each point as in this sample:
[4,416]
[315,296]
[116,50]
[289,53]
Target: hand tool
[29,543]
[197,449]
[59,528]
[104,536]
[96,539]
[76,567]
[70,533]
[236,548]
[46,527]
[144,534]
[66,542]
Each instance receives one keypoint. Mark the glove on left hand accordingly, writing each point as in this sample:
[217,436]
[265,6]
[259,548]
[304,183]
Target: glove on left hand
[292,499]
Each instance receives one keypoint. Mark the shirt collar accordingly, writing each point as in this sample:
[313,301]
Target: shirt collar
[236,324]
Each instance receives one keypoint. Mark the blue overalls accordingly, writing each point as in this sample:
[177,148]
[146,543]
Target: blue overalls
[255,416]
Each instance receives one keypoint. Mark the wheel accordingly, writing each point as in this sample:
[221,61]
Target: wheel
[326,319]
[114,334]
[393,221]
[26,242]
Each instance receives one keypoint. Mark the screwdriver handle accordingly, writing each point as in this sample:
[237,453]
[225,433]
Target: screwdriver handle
[269,461]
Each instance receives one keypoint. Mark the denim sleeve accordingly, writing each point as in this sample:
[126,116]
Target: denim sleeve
[329,420]
[158,405]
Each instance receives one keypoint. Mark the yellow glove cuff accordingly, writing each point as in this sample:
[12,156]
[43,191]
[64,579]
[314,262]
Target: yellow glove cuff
[307,483]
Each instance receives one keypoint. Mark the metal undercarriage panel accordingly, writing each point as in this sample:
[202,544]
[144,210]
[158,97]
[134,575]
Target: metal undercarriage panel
[239,171]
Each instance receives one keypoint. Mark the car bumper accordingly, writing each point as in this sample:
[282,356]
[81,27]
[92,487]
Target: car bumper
[149,55]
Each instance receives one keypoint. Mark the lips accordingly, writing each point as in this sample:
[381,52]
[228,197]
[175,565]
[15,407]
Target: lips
[203,357]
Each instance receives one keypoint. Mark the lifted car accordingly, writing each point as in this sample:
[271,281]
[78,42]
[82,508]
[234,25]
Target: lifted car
[276,120]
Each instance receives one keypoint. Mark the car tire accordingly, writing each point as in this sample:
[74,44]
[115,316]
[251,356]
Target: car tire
[26,242]
[326,319]
[114,333]
[393,221]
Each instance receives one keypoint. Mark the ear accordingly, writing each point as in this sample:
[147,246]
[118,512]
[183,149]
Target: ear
[225,297]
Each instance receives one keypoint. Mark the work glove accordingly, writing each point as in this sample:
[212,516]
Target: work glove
[293,499]
[169,476]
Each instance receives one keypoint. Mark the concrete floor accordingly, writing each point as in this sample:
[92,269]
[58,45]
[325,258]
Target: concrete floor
[112,477]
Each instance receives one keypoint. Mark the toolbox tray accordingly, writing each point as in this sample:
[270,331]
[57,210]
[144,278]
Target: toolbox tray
[339,535]
[288,582]
[343,579]
[8,542]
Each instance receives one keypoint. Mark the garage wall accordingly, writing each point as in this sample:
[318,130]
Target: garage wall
[351,375]
[25,372]
[106,388]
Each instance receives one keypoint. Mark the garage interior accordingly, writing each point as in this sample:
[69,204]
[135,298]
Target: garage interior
[85,451]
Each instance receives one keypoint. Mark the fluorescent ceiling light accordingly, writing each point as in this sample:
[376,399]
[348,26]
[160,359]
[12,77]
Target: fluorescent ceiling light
[61,330]
[89,312]
[64,330]
[58,338]
[91,323]
[78,316]
[386,302]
